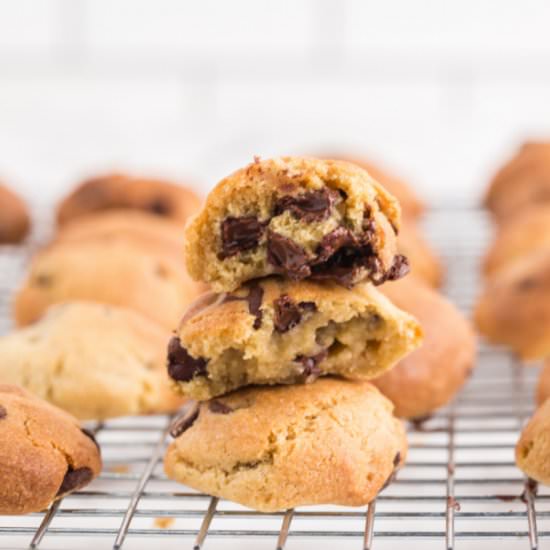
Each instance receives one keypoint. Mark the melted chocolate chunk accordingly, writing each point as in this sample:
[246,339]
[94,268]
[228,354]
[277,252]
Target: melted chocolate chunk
[182,367]
[397,459]
[189,413]
[287,313]
[75,479]
[344,276]
[3,412]
[217,407]
[89,434]
[311,370]
[239,234]
[309,207]
[334,241]
[286,256]
[254,298]
[159,206]
[399,268]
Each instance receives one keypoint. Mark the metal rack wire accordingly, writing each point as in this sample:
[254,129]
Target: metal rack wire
[459,489]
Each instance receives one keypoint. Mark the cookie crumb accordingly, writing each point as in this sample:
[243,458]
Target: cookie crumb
[164,523]
[120,469]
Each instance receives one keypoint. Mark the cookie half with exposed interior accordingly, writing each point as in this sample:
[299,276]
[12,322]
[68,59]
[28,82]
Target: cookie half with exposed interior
[301,218]
[275,331]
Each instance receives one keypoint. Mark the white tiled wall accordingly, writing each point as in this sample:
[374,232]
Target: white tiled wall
[439,90]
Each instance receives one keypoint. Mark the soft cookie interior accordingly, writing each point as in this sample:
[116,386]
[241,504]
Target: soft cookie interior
[258,336]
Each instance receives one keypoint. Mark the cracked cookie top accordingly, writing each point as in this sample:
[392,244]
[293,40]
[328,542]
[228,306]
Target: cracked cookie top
[44,453]
[272,448]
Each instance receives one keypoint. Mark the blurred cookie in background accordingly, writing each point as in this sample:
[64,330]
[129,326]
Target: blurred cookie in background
[121,191]
[44,454]
[134,225]
[118,272]
[514,307]
[411,205]
[431,375]
[424,262]
[527,232]
[93,360]
[15,221]
[522,182]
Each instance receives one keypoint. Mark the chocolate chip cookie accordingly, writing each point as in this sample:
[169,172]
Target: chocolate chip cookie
[138,227]
[301,218]
[14,217]
[116,272]
[93,360]
[273,448]
[279,331]
[514,308]
[533,447]
[430,376]
[527,232]
[522,182]
[411,204]
[44,454]
[424,262]
[121,191]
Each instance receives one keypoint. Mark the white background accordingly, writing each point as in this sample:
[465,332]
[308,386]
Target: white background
[437,90]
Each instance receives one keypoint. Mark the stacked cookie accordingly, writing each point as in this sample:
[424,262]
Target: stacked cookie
[514,308]
[293,249]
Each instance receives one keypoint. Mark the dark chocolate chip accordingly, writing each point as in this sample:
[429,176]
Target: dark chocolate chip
[399,268]
[75,479]
[254,299]
[239,235]
[309,207]
[397,459]
[255,296]
[308,306]
[159,206]
[311,370]
[43,279]
[344,276]
[189,413]
[217,407]
[286,256]
[287,313]
[183,367]
[335,240]
[3,412]
[527,283]
[89,434]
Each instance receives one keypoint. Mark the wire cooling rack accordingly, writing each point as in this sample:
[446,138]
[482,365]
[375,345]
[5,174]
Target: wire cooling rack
[459,488]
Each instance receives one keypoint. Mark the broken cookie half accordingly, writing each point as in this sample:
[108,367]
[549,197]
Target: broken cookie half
[276,331]
[301,218]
